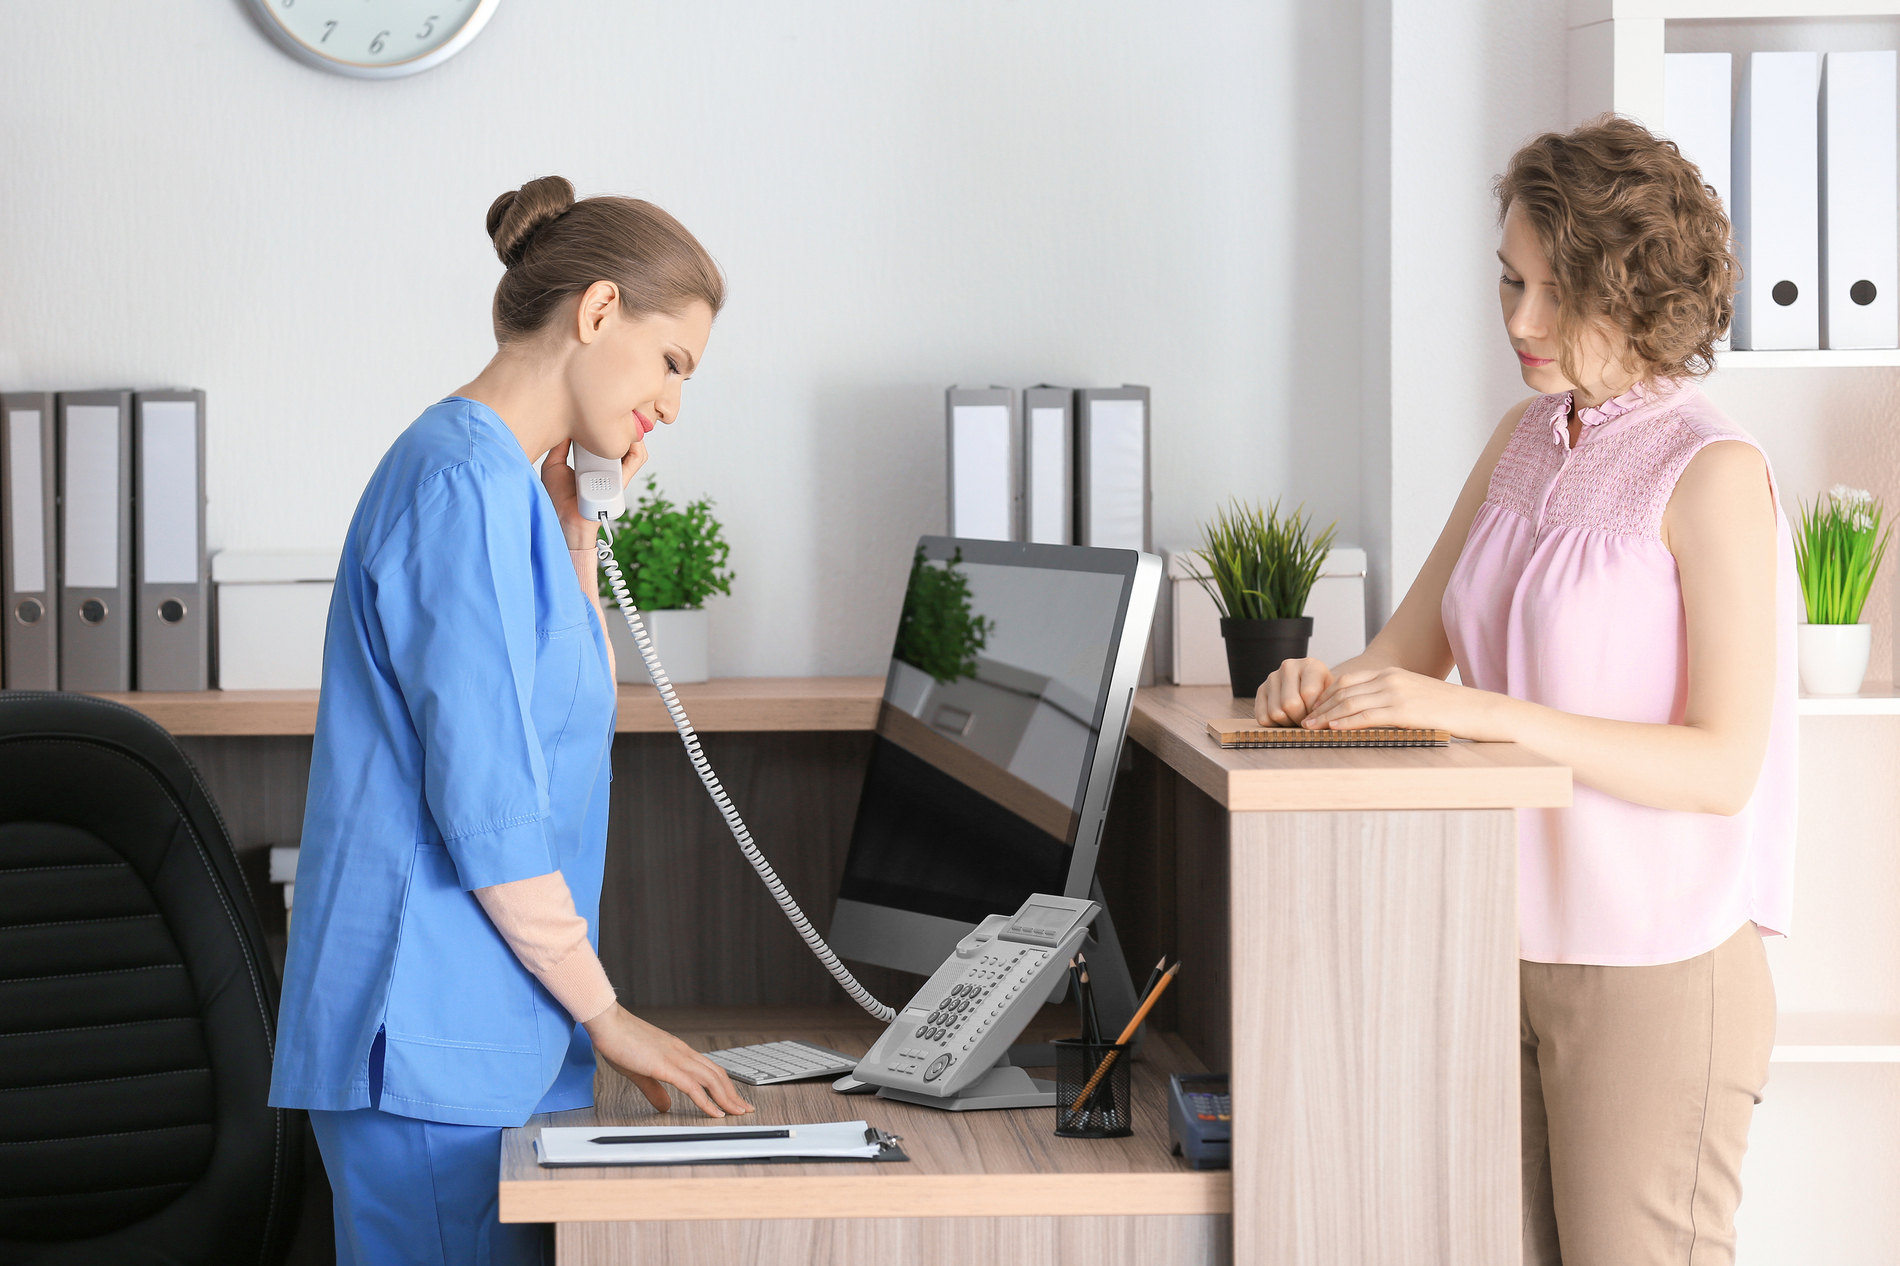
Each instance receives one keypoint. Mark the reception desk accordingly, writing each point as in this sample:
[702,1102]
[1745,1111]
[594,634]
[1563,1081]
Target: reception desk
[1347,920]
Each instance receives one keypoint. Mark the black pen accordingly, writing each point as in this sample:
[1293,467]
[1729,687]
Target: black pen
[698,1136]
[1075,982]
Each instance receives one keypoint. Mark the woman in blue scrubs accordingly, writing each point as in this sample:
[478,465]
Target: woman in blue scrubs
[442,981]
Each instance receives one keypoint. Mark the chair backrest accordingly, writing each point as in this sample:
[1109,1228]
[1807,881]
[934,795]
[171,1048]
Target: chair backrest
[138,1004]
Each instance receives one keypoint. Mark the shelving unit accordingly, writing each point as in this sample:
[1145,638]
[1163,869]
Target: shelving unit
[1616,46]
[1826,358]
[1837,1039]
[1872,701]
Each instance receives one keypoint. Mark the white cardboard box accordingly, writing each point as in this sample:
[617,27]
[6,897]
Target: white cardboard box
[272,609]
[1337,605]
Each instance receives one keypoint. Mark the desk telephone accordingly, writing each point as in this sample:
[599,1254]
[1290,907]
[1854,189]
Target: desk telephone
[949,1047]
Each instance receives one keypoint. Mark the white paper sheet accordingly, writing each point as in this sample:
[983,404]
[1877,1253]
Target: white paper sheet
[573,1145]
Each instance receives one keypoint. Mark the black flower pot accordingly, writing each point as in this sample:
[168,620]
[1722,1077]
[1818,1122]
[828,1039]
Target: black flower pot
[1256,647]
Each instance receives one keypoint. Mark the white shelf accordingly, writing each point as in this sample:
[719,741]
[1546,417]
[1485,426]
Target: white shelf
[1582,11]
[1872,701]
[1827,358]
[1837,1039]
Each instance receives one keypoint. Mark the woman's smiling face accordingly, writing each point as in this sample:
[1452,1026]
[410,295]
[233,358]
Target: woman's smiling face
[627,375]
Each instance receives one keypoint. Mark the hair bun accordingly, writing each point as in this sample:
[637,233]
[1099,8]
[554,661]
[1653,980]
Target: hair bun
[514,218]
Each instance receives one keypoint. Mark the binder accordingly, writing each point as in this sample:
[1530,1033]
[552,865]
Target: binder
[1698,105]
[983,467]
[172,588]
[1112,497]
[1697,111]
[29,542]
[1776,207]
[1860,221]
[95,540]
[1048,465]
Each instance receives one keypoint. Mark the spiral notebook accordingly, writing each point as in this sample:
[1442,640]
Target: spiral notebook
[1238,733]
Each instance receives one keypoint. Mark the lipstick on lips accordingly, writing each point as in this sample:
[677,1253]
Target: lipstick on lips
[1531,361]
[646,427]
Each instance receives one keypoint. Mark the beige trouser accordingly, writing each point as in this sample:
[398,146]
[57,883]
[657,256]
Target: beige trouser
[1638,1086]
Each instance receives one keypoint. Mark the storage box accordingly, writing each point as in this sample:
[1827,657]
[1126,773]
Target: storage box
[272,609]
[1337,605]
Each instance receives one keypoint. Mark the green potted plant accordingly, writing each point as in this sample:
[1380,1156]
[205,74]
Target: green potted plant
[1260,570]
[1838,547]
[673,559]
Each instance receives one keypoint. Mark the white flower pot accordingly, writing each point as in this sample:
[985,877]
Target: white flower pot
[679,638]
[1834,657]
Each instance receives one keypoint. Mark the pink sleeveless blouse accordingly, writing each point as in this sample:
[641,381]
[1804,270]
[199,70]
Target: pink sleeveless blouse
[1565,595]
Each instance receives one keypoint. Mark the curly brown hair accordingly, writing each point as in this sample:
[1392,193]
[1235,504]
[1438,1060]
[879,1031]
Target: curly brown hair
[1633,237]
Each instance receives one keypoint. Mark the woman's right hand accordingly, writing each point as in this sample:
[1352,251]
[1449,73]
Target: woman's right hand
[653,1059]
[1290,692]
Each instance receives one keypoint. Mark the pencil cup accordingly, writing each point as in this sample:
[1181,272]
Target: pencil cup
[1092,1095]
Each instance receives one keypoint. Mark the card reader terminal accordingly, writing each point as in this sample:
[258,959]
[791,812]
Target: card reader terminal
[1200,1119]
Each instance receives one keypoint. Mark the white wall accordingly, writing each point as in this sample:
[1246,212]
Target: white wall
[1470,81]
[904,196]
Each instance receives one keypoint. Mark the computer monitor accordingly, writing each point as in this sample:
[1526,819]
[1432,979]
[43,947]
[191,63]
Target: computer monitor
[1004,709]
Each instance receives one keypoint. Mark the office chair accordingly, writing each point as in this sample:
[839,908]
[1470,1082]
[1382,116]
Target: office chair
[138,1005]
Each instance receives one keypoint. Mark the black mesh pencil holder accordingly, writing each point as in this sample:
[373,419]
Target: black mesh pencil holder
[1092,1096]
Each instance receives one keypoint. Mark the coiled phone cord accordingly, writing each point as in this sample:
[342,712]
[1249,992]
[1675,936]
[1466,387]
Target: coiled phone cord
[702,767]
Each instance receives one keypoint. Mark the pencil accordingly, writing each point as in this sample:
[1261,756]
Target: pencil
[1082,1020]
[1091,1021]
[1154,995]
[1153,976]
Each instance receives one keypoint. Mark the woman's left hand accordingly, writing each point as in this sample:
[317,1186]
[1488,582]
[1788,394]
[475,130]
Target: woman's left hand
[1393,696]
[558,478]
[653,1059]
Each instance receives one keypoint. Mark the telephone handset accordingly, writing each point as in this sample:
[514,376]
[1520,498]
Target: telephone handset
[602,495]
[598,486]
[944,1049]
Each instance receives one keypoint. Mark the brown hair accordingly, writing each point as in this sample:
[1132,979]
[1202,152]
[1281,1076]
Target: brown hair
[555,248]
[1633,237]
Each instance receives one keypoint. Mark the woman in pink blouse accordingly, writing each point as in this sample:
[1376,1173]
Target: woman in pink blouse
[1616,587]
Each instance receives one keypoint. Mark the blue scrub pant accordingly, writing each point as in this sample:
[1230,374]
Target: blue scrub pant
[420,1193]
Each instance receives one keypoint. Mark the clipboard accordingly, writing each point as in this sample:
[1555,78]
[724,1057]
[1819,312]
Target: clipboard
[885,1148]
[1238,733]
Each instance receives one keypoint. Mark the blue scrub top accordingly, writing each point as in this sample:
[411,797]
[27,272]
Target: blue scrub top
[463,740]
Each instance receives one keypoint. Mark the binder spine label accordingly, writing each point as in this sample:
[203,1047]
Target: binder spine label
[26,509]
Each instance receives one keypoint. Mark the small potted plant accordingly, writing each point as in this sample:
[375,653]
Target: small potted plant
[1838,548]
[1260,571]
[673,559]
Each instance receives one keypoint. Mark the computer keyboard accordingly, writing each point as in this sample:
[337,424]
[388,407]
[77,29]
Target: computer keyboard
[772,1062]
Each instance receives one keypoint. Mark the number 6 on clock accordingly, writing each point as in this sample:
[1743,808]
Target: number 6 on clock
[390,38]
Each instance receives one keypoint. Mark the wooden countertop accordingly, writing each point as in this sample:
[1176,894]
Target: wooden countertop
[1171,722]
[976,1164]
[728,703]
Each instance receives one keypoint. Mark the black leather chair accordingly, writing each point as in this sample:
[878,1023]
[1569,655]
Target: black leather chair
[138,1005]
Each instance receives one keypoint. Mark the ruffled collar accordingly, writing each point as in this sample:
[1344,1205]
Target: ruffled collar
[1640,394]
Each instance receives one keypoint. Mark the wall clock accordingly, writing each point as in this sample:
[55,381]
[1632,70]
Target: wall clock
[373,39]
